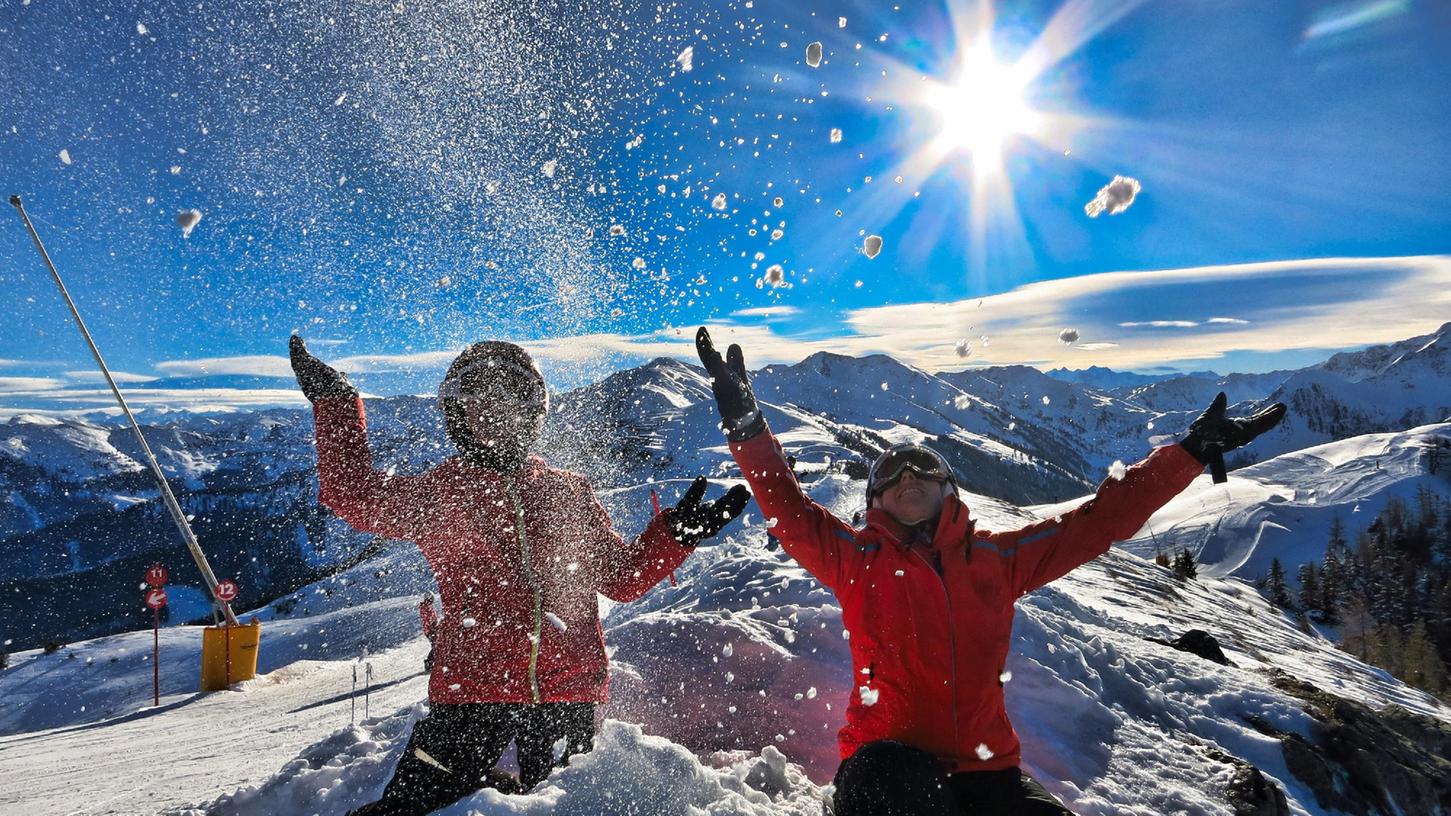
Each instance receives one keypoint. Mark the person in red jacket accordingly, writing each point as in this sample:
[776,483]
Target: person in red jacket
[927,601]
[519,550]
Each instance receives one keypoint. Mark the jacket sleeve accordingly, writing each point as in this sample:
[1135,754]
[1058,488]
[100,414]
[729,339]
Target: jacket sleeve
[1048,550]
[819,541]
[628,570]
[364,497]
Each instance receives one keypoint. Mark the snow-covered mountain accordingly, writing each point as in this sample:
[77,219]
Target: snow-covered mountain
[83,519]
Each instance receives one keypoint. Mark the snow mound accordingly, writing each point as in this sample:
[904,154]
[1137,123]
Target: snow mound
[627,772]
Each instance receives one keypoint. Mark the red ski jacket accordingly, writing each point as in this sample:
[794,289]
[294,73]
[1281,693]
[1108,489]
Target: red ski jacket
[518,559]
[928,649]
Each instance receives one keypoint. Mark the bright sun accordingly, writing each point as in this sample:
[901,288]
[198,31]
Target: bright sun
[980,108]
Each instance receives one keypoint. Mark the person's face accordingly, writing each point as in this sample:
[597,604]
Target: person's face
[913,499]
[501,426]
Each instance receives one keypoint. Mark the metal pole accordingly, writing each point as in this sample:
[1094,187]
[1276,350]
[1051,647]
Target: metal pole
[156,656]
[171,504]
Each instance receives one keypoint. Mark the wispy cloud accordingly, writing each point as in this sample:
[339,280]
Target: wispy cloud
[118,376]
[1184,324]
[145,402]
[253,365]
[26,385]
[767,311]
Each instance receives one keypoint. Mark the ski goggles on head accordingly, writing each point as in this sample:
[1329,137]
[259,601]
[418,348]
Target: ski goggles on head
[499,382]
[898,459]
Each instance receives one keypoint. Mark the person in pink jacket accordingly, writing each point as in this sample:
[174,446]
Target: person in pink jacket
[520,551]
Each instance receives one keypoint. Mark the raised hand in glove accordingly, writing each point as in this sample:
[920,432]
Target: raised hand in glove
[317,379]
[692,521]
[1213,434]
[738,410]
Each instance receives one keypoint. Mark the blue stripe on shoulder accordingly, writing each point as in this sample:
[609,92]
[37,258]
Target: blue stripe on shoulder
[840,533]
[1038,536]
[984,544]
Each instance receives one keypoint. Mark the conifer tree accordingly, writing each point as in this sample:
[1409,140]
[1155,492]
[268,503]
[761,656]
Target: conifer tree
[1279,593]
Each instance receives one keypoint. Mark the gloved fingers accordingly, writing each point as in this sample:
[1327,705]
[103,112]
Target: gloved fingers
[1217,408]
[733,502]
[709,357]
[1265,420]
[297,352]
[737,363]
[693,494]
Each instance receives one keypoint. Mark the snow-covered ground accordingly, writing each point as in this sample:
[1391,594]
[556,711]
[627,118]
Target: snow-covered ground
[1284,507]
[727,691]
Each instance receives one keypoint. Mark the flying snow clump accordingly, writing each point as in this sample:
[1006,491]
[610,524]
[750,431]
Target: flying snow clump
[813,54]
[727,650]
[983,752]
[961,402]
[1117,471]
[142,30]
[1115,197]
[869,695]
[638,263]
[1068,337]
[778,202]
[719,202]
[835,135]
[841,22]
[775,277]
[549,167]
[684,58]
[65,156]
[187,220]
[872,246]
[963,348]
[556,622]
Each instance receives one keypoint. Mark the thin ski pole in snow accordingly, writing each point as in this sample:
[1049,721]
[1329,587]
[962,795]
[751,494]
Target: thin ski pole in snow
[171,504]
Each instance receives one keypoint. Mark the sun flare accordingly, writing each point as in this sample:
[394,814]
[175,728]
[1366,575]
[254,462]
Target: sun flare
[980,108]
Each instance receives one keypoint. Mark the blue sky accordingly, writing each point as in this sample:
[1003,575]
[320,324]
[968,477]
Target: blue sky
[399,181]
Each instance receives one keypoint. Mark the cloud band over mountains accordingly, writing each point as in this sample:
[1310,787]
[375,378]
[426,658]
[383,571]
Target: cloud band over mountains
[1174,318]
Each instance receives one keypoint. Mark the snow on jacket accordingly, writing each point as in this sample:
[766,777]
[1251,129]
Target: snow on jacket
[518,559]
[928,649]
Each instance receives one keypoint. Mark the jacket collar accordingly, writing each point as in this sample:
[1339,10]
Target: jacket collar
[533,465]
[954,525]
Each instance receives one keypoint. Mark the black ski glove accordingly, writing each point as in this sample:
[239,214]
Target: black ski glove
[692,522]
[317,379]
[1213,434]
[738,410]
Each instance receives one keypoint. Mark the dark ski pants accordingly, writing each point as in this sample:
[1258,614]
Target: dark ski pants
[468,739]
[887,778]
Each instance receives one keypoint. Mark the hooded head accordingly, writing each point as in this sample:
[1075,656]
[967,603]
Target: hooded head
[494,403]
[910,482]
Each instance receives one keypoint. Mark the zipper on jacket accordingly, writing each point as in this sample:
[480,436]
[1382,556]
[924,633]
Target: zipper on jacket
[529,576]
[951,642]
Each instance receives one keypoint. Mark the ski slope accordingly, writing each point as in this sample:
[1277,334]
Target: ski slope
[1110,722]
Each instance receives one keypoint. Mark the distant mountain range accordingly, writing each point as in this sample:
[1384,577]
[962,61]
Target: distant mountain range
[82,518]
